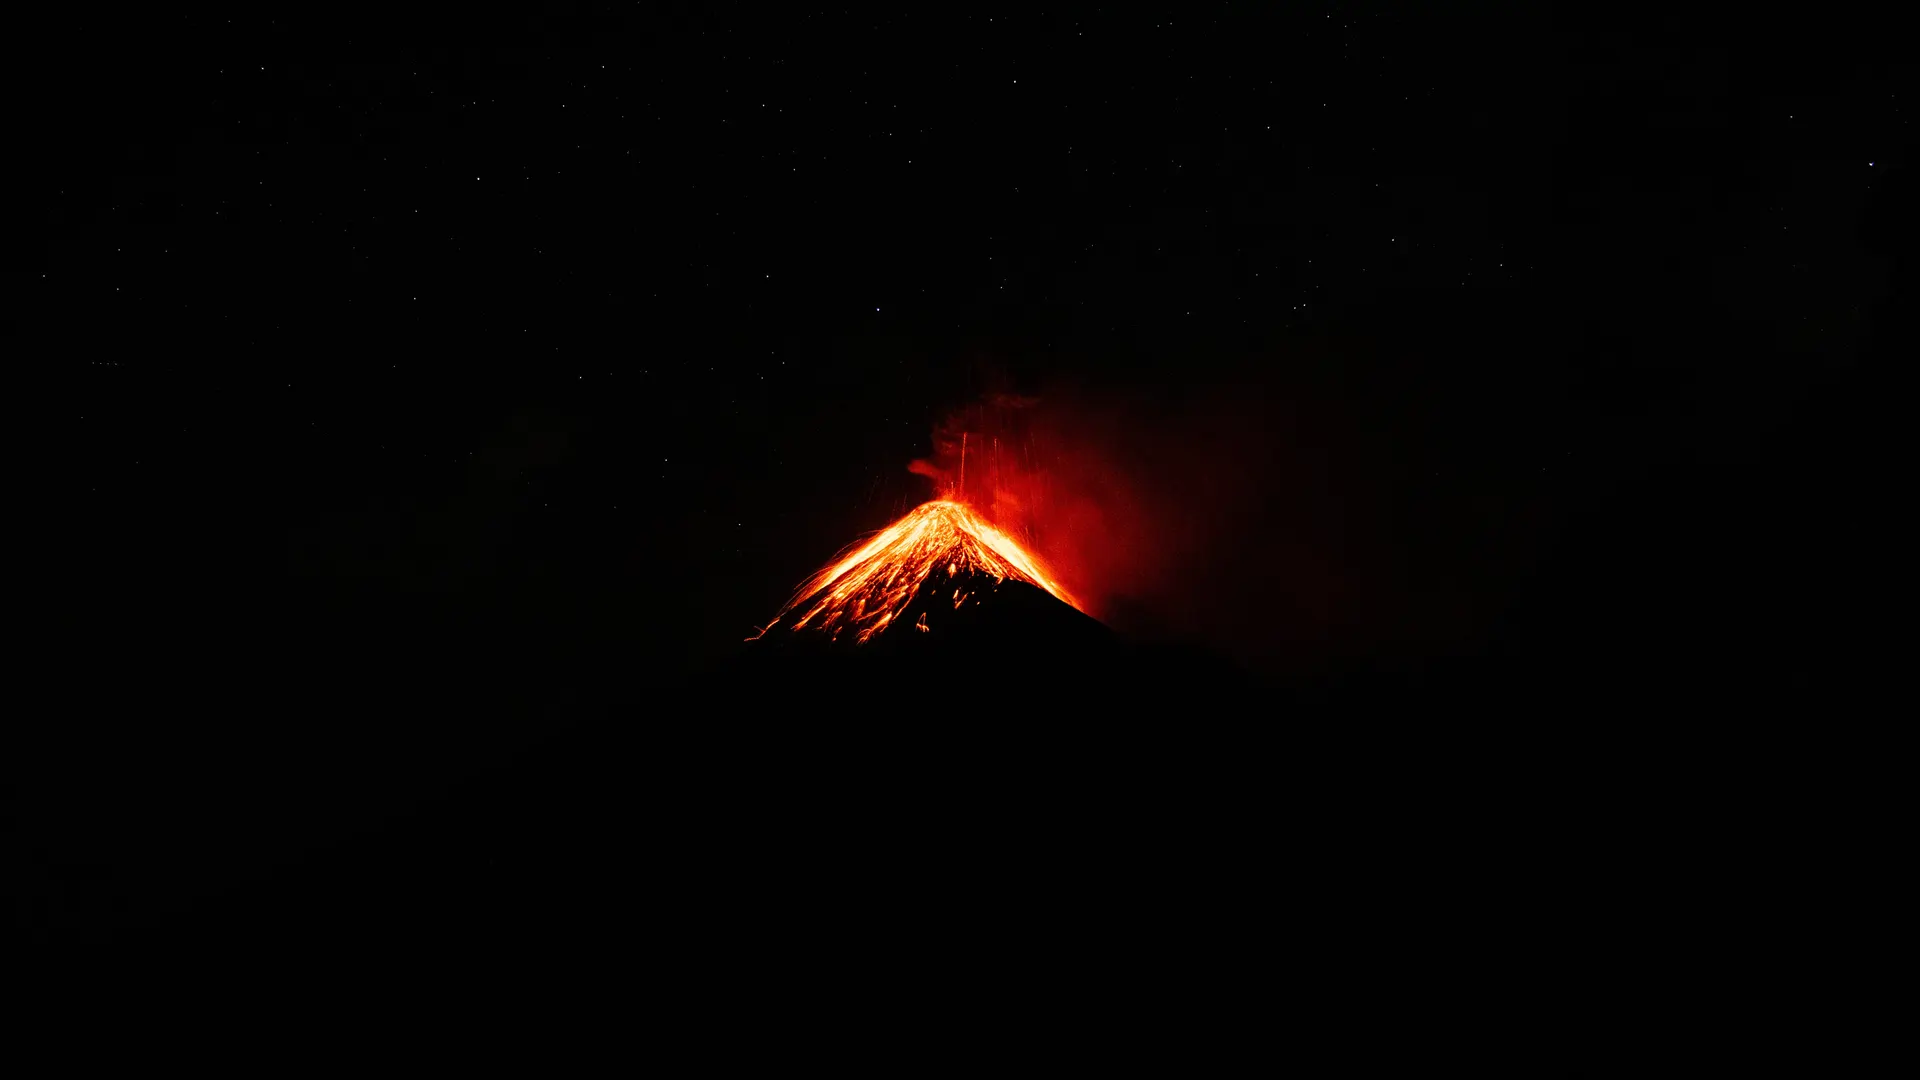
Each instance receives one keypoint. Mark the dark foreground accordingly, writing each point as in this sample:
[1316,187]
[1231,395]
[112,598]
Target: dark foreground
[1104,810]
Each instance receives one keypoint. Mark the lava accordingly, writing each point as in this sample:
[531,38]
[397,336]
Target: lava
[865,591]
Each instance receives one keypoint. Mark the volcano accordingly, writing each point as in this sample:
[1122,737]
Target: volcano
[940,573]
[949,613]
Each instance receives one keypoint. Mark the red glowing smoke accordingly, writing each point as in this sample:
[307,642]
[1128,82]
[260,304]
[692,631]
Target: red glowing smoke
[1273,525]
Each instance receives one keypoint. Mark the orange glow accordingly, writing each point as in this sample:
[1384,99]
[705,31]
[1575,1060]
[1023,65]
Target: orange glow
[867,589]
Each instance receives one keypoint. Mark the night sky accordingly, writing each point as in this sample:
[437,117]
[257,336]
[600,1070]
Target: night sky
[420,393]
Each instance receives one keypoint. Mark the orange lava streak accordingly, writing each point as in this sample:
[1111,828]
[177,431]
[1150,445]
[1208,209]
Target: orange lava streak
[867,589]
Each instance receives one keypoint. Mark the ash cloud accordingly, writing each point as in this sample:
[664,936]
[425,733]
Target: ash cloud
[1273,523]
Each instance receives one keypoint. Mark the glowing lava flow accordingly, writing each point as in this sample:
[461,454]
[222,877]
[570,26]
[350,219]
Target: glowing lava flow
[866,590]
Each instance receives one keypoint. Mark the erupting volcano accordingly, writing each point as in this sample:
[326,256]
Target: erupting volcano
[922,570]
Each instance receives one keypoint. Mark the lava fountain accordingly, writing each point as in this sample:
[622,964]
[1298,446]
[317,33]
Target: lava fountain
[941,543]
